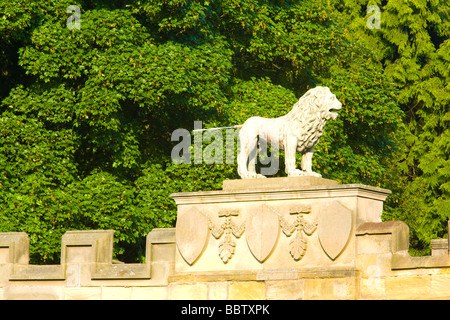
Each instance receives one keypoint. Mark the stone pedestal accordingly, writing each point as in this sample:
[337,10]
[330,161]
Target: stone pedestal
[273,226]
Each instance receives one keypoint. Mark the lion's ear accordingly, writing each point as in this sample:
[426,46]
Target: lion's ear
[322,91]
[307,94]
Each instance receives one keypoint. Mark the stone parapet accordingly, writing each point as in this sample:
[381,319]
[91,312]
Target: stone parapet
[86,263]
[284,239]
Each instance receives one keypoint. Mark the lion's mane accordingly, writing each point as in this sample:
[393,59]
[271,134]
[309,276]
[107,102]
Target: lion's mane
[308,118]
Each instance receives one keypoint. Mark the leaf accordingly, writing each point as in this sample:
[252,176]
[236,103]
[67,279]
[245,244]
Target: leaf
[237,231]
[297,246]
[226,249]
[309,228]
[288,229]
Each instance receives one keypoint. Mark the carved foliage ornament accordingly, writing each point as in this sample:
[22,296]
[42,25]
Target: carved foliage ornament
[228,229]
[334,228]
[298,244]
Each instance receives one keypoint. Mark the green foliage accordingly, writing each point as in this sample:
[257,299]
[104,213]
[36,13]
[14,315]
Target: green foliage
[413,47]
[422,73]
[35,164]
[86,115]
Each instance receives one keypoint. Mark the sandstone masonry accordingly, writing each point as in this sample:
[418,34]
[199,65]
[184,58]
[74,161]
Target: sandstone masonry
[275,238]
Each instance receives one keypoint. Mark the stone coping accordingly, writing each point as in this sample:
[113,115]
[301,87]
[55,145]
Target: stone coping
[96,251]
[310,192]
[264,275]
[403,261]
[275,183]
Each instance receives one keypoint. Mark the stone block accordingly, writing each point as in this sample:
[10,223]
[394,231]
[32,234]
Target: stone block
[408,287]
[345,288]
[218,290]
[382,237]
[374,244]
[318,289]
[285,289]
[372,288]
[247,291]
[331,289]
[73,276]
[5,273]
[87,293]
[163,240]
[439,247]
[116,293]
[183,291]
[19,247]
[212,276]
[375,265]
[35,292]
[163,252]
[38,272]
[440,285]
[79,254]
[101,242]
[122,271]
[149,293]
[4,255]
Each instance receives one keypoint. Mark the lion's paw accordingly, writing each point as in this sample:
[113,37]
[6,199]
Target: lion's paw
[252,175]
[295,173]
[314,174]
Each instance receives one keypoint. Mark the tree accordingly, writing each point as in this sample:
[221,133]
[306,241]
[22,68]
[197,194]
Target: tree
[413,47]
[86,125]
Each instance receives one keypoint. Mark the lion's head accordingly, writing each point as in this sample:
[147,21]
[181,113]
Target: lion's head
[317,100]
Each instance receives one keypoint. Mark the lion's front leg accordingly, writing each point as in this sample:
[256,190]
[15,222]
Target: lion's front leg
[290,149]
[307,163]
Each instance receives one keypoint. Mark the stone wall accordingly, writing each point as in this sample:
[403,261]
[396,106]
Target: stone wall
[306,239]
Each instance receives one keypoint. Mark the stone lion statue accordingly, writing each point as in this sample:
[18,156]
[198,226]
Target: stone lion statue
[299,130]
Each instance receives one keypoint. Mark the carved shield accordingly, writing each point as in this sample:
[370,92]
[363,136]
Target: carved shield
[191,234]
[262,232]
[335,225]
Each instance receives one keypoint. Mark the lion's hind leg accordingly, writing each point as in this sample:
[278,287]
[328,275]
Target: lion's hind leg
[247,155]
[252,155]
[242,162]
[243,153]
